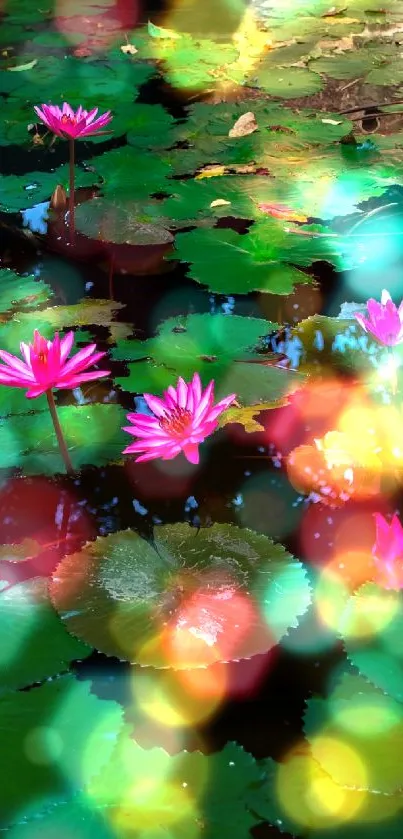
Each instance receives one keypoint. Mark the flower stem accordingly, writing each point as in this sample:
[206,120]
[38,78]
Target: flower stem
[59,433]
[71,190]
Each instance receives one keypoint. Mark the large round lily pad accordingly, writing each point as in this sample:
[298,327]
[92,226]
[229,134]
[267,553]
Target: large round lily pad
[35,644]
[187,600]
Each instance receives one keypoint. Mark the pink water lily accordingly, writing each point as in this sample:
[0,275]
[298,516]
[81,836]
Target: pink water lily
[74,124]
[385,320]
[45,365]
[388,552]
[182,419]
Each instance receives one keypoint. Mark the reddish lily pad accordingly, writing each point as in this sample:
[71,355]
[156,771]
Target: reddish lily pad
[187,600]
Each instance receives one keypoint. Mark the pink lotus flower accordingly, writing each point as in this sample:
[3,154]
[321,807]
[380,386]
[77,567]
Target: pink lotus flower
[46,366]
[184,417]
[385,320]
[66,123]
[388,552]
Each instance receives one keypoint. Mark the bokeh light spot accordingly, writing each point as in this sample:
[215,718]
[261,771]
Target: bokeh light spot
[310,797]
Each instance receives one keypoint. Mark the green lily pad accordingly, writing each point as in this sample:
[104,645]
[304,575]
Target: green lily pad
[16,116]
[85,313]
[146,126]
[24,13]
[293,796]
[388,74]
[92,432]
[56,737]
[193,198]
[217,347]
[20,192]
[22,292]
[229,263]
[125,175]
[378,654]
[192,64]
[217,782]
[200,342]
[287,82]
[146,377]
[254,384]
[65,76]
[169,797]
[153,603]
[368,724]
[35,643]
[278,124]
[351,65]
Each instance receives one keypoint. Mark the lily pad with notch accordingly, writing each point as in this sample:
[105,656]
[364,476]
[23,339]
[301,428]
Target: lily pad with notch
[230,263]
[229,350]
[183,601]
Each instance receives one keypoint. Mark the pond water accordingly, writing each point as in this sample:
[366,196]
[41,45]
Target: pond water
[208,644]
